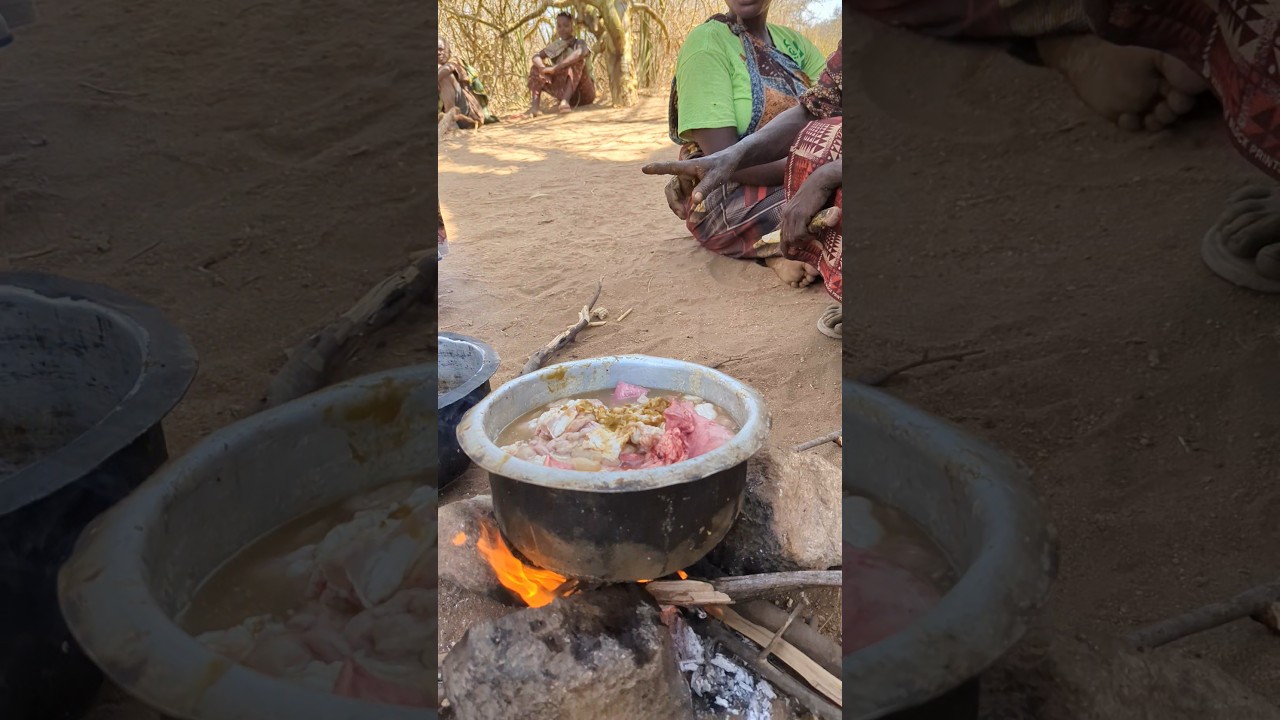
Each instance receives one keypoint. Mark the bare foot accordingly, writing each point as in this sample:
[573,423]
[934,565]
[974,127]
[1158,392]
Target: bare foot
[1249,232]
[564,107]
[1135,88]
[793,272]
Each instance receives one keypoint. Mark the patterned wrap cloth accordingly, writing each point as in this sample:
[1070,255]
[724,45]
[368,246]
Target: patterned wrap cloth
[819,143]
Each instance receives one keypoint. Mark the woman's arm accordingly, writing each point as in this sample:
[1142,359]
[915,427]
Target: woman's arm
[573,57]
[771,142]
[713,140]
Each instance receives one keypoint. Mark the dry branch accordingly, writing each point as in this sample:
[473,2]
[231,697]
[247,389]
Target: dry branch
[829,437]
[311,363]
[1246,604]
[784,682]
[588,315]
[727,590]
[813,673]
[821,648]
[878,379]
[747,587]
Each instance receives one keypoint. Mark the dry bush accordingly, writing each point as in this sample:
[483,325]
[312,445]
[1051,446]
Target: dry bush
[477,30]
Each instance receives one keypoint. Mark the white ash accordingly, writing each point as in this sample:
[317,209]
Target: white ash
[721,684]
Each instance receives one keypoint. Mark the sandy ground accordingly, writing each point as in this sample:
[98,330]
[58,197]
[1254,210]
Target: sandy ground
[996,213]
[538,211]
[249,168]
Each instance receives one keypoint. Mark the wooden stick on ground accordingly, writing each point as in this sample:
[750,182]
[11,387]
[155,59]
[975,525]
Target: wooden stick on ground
[747,587]
[784,682]
[777,635]
[311,363]
[834,437]
[877,379]
[726,590]
[587,316]
[821,648]
[813,673]
[1248,603]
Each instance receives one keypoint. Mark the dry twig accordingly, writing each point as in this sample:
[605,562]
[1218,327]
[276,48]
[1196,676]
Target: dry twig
[875,380]
[109,91]
[824,682]
[312,362]
[835,437]
[1249,603]
[589,315]
[784,682]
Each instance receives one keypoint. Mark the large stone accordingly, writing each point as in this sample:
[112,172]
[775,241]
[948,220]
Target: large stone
[460,609]
[459,561]
[594,656]
[790,519]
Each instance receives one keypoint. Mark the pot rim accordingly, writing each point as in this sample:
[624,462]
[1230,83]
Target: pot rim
[488,366]
[485,453]
[168,365]
[105,594]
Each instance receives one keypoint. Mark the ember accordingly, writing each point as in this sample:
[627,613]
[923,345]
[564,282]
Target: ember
[534,586]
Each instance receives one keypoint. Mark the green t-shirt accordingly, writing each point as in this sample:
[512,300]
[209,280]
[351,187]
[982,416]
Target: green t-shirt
[712,86]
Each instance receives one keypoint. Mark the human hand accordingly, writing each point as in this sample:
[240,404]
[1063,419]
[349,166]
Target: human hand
[678,191]
[803,216]
[706,172]
[549,70]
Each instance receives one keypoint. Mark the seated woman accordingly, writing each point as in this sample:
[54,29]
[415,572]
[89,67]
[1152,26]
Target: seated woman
[807,139]
[561,70]
[462,94]
[735,73]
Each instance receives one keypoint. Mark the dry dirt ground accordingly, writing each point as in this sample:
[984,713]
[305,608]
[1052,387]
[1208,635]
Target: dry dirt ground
[996,213]
[250,168]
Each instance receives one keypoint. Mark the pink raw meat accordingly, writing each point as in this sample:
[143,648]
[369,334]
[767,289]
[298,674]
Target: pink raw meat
[688,435]
[626,392]
[880,598]
[356,682]
[554,463]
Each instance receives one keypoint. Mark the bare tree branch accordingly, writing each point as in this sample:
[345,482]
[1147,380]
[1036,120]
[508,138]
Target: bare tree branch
[653,14]
[466,16]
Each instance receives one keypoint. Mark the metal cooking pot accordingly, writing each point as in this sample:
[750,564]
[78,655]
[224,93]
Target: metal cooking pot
[138,565]
[465,366]
[983,513]
[616,526]
[87,374]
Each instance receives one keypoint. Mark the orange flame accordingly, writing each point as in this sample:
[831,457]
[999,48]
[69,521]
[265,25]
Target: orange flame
[459,539]
[683,575]
[535,587]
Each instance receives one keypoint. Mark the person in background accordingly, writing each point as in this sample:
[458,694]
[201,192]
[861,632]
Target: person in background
[462,95]
[735,73]
[560,70]
[808,140]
